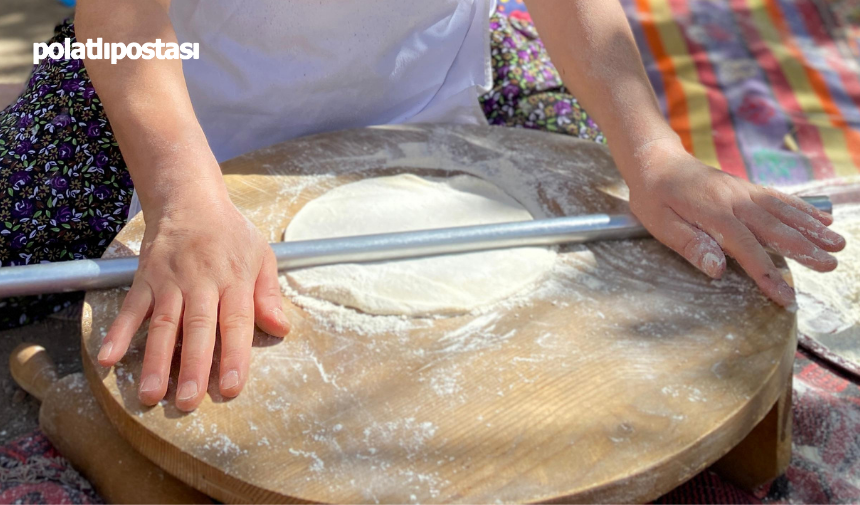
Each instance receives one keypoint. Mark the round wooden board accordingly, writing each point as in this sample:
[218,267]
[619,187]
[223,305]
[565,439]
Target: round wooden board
[622,375]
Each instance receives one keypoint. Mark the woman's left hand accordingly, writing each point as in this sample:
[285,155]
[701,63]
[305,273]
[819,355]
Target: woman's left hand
[700,212]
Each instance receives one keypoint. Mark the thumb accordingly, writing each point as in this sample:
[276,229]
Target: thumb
[268,311]
[699,248]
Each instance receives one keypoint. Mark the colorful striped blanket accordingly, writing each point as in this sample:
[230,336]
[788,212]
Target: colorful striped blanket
[768,90]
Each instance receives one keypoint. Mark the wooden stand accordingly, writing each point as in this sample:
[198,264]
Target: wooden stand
[79,430]
[635,374]
[766,452]
[119,473]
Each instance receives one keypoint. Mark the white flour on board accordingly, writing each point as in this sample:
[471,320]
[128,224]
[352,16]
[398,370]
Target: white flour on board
[829,303]
[387,408]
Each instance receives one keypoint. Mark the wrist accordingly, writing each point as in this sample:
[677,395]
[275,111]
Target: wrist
[180,185]
[647,160]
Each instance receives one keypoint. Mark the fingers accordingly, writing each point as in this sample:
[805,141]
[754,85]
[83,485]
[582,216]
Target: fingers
[696,246]
[268,312]
[800,205]
[740,242]
[808,226]
[237,332]
[135,309]
[160,343]
[198,343]
[783,239]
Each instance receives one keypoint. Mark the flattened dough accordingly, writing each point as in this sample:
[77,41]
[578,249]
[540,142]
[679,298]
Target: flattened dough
[829,303]
[448,285]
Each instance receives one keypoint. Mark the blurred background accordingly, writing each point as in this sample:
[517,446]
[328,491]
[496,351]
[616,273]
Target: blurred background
[768,90]
[23,22]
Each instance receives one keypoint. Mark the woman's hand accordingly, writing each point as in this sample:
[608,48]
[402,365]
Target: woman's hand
[696,210]
[201,265]
[699,212]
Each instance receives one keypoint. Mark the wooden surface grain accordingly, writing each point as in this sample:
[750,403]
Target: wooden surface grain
[622,375]
[73,422]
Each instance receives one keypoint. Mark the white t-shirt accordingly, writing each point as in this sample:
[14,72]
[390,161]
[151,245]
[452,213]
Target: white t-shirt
[272,70]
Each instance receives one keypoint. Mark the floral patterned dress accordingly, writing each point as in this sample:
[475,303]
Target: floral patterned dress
[65,189]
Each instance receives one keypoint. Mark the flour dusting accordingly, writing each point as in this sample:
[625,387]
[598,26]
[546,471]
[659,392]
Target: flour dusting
[829,303]
[361,408]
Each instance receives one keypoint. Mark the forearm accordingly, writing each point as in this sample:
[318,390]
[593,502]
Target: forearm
[592,46]
[147,102]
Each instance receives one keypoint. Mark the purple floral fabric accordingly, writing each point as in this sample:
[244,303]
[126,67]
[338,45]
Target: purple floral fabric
[64,187]
[527,90]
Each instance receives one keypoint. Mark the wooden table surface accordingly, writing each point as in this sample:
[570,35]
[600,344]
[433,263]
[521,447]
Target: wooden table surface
[623,374]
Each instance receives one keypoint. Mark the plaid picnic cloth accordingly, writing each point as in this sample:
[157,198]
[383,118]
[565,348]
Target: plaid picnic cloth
[768,90]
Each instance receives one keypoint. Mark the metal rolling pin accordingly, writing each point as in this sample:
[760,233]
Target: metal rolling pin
[109,273]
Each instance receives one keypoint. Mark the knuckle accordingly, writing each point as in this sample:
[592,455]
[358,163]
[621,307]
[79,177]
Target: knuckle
[200,263]
[794,237]
[769,194]
[194,322]
[770,200]
[725,186]
[123,319]
[132,311]
[745,209]
[717,225]
[158,356]
[233,354]
[129,309]
[238,267]
[745,244]
[163,321]
[235,321]
[748,242]
[191,364]
[786,241]
[273,292]
[267,293]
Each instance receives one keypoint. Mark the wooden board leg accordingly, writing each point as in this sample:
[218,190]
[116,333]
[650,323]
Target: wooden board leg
[765,453]
[73,422]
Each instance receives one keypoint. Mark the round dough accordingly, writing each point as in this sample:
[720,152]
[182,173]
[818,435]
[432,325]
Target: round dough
[450,284]
[829,303]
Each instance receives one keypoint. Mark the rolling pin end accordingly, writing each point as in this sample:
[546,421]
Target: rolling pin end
[33,369]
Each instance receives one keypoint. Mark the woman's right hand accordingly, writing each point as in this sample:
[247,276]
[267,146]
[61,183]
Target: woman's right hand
[202,265]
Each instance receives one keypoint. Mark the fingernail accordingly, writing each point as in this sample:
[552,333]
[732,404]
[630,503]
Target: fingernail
[187,391]
[712,264]
[706,254]
[836,239]
[282,317]
[230,380]
[104,352]
[150,383]
[831,237]
[822,256]
[786,293]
